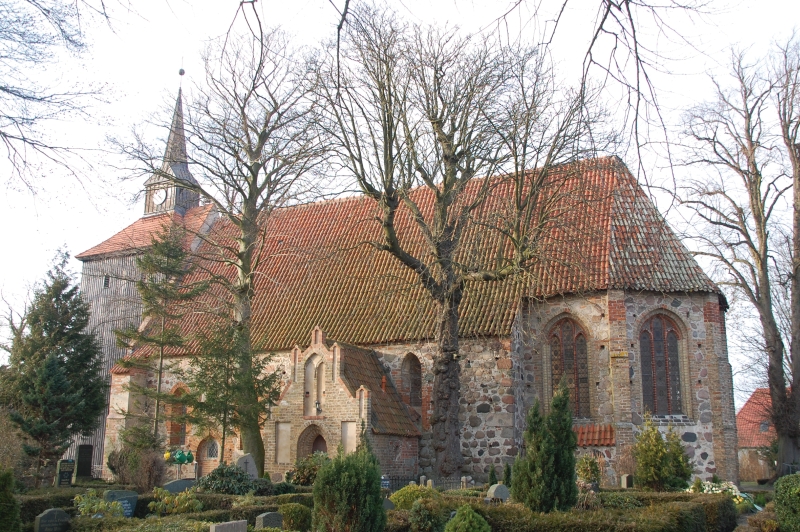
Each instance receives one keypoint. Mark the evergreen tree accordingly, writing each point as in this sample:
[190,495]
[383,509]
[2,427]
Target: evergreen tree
[492,476]
[544,478]
[680,467]
[507,475]
[9,506]
[217,391]
[53,386]
[652,460]
[163,266]
[347,492]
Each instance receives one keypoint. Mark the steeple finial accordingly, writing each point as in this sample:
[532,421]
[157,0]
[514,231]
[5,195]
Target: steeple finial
[176,143]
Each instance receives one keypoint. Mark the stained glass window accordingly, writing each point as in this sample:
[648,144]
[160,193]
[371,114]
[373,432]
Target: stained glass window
[569,360]
[661,381]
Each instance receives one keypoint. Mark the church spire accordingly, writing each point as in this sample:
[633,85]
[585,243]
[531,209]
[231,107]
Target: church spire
[176,143]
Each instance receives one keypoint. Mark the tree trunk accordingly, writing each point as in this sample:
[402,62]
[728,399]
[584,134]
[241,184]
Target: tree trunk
[446,386]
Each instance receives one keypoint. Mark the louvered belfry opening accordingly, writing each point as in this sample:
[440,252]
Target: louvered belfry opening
[568,354]
[661,381]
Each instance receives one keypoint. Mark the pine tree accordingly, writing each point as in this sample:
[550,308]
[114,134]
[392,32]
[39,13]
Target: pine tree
[53,386]
[216,391]
[9,506]
[652,459]
[544,478]
[492,476]
[163,266]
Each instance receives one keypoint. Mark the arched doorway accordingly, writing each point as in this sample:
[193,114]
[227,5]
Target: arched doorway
[207,456]
[311,440]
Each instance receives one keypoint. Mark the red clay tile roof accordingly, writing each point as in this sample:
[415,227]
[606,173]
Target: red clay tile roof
[595,435]
[138,235]
[318,268]
[750,419]
[361,367]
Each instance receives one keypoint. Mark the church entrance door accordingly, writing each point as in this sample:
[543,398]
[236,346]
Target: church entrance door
[311,440]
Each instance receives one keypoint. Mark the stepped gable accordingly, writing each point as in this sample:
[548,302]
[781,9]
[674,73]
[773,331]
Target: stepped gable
[138,236]
[750,418]
[318,267]
[361,367]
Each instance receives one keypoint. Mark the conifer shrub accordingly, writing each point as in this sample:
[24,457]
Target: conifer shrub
[295,516]
[404,498]
[660,465]
[507,475]
[544,478]
[347,492]
[588,470]
[492,476]
[787,503]
[228,479]
[427,515]
[9,507]
[466,520]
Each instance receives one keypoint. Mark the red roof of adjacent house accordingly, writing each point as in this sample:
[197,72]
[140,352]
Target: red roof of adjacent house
[595,435]
[753,423]
[319,269]
[139,234]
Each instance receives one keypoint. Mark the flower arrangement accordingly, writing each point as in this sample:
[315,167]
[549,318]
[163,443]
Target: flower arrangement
[728,488]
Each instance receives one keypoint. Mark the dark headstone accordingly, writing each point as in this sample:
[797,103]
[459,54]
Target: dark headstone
[84,466]
[248,464]
[52,520]
[269,520]
[388,505]
[179,486]
[230,526]
[126,498]
[64,471]
[385,484]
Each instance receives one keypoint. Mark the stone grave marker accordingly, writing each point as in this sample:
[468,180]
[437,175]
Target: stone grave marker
[230,526]
[388,505]
[126,498]
[499,491]
[269,520]
[52,520]
[179,486]
[248,464]
[626,481]
[64,471]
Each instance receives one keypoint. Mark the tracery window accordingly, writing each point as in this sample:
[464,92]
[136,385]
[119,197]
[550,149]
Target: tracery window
[569,360]
[661,381]
[212,450]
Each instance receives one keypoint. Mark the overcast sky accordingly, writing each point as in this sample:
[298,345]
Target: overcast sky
[135,65]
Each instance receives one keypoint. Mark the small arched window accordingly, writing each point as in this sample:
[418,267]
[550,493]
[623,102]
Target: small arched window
[661,381]
[411,379]
[569,360]
[212,450]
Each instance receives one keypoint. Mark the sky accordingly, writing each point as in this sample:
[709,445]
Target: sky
[133,62]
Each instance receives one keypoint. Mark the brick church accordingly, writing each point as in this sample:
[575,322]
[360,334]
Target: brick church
[622,311]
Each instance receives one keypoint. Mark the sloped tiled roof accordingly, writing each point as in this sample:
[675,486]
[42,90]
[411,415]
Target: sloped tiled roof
[754,416]
[319,269]
[595,435]
[361,367]
[139,234]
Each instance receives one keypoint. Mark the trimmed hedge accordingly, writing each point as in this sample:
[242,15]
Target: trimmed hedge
[719,509]
[787,502]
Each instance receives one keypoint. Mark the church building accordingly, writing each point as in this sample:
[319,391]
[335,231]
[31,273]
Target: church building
[617,306]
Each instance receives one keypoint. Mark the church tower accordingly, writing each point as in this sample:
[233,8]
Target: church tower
[163,190]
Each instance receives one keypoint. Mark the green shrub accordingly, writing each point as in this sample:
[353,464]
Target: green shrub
[262,487]
[544,479]
[398,521]
[283,487]
[787,503]
[427,515]
[295,516]
[507,475]
[660,465]
[306,469]
[766,520]
[9,506]
[347,492]
[404,498]
[587,469]
[174,503]
[466,520]
[32,505]
[228,479]
[619,501]
[492,476]
[588,500]
[92,504]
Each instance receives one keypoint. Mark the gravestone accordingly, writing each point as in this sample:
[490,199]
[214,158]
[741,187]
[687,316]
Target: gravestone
[463,483]
[384,483]
[269,520]
[179,486]
[52,520]
[64,472]
[83,466]
[499,491]
[388,505]
[126,498]
[626,481]
[230,526]
[430,483]
[248,464]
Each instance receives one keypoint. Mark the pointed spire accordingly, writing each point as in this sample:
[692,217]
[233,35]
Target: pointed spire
[176,143]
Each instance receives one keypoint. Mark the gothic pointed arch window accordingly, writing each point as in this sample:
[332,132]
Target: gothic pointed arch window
[569,360]
[659,341]
[411,380]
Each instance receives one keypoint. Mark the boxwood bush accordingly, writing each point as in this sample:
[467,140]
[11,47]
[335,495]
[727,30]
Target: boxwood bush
[466,520]
[787,503]
[295,516]
[404,498]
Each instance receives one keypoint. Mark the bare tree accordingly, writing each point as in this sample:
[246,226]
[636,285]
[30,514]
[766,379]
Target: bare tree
[252,145]
[747,137]
[423,120]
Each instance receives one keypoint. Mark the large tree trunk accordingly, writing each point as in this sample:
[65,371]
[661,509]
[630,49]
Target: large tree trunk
[447,386]
[789,450]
